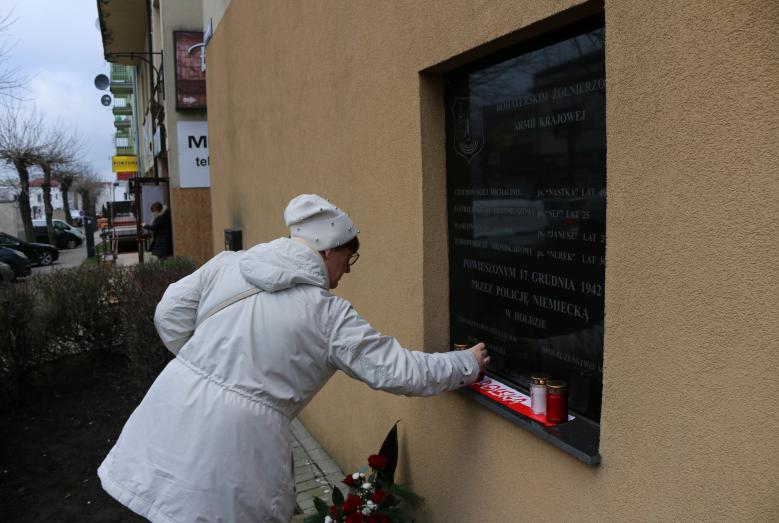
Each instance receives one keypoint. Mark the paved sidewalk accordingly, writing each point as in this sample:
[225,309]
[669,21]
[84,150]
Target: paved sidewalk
[315,471]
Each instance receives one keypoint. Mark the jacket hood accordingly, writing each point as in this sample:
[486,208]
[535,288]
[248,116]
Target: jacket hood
[282,264]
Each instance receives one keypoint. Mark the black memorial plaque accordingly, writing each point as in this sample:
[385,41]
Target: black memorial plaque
[526,188]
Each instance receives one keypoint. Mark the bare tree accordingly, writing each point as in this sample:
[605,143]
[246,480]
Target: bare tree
[66,176]
[21,145]
[11,82]
[60,149]
[87,186]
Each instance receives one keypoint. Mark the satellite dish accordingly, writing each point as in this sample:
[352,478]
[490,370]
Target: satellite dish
[105,100]
[102,82]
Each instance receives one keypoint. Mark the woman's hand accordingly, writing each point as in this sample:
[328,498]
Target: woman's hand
[480,351]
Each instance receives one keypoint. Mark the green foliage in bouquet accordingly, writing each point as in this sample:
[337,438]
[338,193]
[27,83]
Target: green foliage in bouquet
[373,495]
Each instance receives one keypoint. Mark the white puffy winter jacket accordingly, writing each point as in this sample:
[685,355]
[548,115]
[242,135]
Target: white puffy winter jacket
[209,441]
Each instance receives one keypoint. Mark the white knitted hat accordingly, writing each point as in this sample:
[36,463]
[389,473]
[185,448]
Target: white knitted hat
[319,222]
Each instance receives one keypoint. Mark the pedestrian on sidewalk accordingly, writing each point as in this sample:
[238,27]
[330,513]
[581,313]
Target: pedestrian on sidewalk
[256,334]
[162,243]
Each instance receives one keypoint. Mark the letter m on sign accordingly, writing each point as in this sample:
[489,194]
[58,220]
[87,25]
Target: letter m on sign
[197,141]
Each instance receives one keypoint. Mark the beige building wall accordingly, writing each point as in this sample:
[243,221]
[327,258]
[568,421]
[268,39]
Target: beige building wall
[327,97]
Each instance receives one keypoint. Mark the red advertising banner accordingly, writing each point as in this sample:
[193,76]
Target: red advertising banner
[190,80]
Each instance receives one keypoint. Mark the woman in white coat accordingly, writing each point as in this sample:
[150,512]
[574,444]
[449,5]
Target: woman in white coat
[256,334]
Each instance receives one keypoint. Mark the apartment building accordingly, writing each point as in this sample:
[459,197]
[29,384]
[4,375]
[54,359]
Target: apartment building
[159,40]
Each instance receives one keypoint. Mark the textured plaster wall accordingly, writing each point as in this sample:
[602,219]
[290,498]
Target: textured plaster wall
[327,97]
[690,412]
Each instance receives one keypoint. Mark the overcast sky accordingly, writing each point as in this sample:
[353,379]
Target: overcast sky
[57,46]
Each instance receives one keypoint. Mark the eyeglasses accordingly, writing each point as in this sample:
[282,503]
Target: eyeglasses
[353,258]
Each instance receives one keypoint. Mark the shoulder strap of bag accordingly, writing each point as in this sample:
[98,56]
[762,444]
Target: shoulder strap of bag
[229,301]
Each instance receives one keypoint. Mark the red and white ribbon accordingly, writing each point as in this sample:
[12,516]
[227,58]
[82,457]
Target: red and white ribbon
[511,398]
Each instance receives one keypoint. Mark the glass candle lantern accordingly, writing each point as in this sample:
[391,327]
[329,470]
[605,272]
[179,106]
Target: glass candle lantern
[538,393]
[556,401]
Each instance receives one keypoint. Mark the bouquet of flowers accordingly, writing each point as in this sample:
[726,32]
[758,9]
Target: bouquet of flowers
[373,495]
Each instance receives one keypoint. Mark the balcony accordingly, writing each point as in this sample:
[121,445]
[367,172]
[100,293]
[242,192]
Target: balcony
[125,151]
[122,106]
[121,79]
[124,143]
[122,122]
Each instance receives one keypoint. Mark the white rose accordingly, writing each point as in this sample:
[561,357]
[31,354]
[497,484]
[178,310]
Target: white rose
[328,519]
[366,486]
[371,505]
[356,476]
[366,511]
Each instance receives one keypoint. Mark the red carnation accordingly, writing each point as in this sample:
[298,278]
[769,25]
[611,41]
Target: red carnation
[352,503]
[377,461]
[333,512]
[357,517]
[378,496]
[378,518]
[349,480]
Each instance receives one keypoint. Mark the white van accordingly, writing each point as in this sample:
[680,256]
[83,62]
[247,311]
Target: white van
[62,225]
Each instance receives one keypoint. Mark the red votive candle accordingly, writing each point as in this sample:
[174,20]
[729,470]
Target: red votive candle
[556,401]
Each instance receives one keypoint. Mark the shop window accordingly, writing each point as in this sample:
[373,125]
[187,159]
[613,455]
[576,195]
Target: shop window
[526,204]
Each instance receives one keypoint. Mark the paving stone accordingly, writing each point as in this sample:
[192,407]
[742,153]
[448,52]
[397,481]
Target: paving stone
[305,501]
[304,474]
[310,484]
[300,455]
[328,466]
[318,453]
[294,429]
[298,430]
[320,491]
[306,462]
[309,443]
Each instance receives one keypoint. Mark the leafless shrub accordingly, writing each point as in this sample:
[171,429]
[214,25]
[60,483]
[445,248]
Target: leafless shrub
[90,310]
[17,337]
[143,287]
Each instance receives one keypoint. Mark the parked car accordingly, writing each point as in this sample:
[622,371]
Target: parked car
[7,274]
[40,253]
[65,236]
[19,263]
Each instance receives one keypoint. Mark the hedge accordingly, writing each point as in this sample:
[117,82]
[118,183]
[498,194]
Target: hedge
[89,309]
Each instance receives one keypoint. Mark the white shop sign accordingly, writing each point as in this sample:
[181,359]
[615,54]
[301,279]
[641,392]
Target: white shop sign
[194,162]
